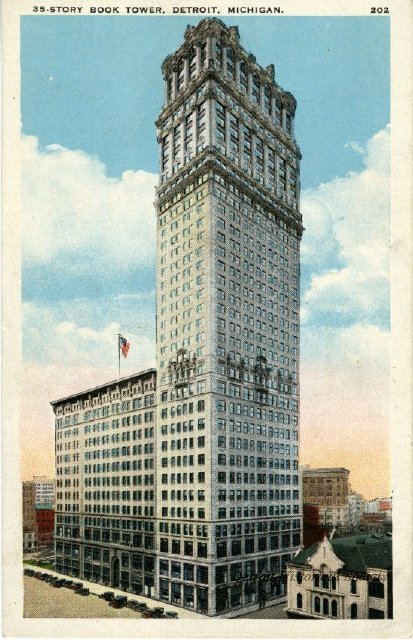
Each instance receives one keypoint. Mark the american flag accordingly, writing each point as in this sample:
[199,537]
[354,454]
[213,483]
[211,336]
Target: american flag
[123,346]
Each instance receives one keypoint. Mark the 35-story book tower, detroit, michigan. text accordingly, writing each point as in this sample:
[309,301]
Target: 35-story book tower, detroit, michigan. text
[186,483]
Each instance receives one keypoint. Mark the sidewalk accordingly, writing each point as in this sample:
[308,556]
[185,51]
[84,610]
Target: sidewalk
[98,589]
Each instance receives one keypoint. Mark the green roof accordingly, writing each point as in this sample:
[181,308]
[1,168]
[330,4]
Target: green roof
[358,552]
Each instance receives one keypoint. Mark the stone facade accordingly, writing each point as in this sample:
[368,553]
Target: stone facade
[328,489]
[105,483]
[45,490]
[29,516]
[345,578]
[201,506]
[229,230]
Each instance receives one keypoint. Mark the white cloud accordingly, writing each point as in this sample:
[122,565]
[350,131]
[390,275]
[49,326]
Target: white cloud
[70,206]
[345,244]
[49,340]
[355,146]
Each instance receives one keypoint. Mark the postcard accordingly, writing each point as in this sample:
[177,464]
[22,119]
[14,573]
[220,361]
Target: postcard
[207,319]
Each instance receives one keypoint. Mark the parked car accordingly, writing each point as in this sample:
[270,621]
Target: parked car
[59,583]
[84,591]
[118,602]
[138,606]
[107,595]
[170,614]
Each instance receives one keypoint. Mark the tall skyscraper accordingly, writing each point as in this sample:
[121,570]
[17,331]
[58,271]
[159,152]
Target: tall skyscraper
[229,229]
[183,484]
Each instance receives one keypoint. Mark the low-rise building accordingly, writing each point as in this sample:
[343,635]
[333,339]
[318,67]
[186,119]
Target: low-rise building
[313,531]
[327,489]
[355,509]
[342,578]
[44,490]
[379,505]
[45,526]
[29,516]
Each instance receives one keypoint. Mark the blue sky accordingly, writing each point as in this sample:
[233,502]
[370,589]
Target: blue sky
[91,92]
[107,88]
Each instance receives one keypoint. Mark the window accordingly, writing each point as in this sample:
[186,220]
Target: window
[221,574]
[236,547]
[202,575]
[376,613]
[316,579]
[376,589]
[326,607]
[249,545]
[353,611]
[164,567]
[221,549]
[188,548]
[353,586]
[188,572]
[325,581]
[299,601]
[334,608]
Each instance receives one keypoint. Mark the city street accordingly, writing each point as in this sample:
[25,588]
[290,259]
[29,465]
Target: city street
[270,613]
[41,600]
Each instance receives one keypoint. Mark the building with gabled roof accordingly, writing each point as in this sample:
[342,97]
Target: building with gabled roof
[342,578]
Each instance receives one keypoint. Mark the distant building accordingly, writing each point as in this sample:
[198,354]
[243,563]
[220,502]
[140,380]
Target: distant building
[327,489]
[38,495]
[29,517]
[44,526]
[355,508]
[44,490]
[379,505]
[343,578]
[312,530]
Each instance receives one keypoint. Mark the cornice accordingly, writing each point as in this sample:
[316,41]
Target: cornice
[232,91]
[209,160]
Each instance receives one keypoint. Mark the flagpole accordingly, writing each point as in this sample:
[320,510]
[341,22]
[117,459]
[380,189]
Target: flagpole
[119,352]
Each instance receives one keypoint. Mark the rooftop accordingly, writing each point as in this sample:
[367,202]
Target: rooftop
[358,552]
[113,383]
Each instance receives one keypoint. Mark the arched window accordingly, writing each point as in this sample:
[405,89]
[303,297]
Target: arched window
[334,583]
[231,62]
[181,74]
[326,607]
[218,52]
[277,114]
[334,608]
[169,88]
[325,581]
[243,76]
[192,63]
[353,611]
[256,87]
[288,122]
[267,98]
[203,54]
[299,601]
[317,604]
